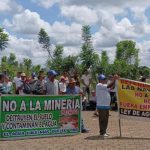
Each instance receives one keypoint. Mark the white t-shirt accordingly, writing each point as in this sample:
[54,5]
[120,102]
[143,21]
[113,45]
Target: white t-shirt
[102,96]
[62,87]
[17,82]
[86,79]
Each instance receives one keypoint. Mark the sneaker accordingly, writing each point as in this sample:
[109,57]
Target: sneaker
[108,133]
[85,130]
[104,135]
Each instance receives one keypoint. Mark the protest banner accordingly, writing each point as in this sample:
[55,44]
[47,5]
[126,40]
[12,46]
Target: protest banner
[39,116]
[133,99]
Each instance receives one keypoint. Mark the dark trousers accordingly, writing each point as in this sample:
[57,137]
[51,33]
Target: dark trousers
[103,120]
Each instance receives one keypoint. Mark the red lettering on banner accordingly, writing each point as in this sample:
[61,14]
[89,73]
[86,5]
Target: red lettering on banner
[145,107]
[138,94]
[128,105]
[147,101]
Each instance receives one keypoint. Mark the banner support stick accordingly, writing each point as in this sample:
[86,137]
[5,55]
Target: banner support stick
[119,120]
[120,127]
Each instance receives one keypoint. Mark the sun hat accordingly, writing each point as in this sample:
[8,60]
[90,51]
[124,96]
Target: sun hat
[23,74]
[72,80]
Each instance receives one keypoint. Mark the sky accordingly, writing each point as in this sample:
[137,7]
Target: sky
[111,21]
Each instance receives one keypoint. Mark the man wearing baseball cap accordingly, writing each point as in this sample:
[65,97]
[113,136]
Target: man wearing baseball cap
[51,86]
[103,102]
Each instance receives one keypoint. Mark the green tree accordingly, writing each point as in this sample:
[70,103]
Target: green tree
[21,67]
[4,65]
[57,58]
[27,64]
[3,39]
[127,60]
[127,51]
[44,40]
[104,62]
[70,62]
[12,60]
[120,67]
[87,51]
[36,68]
[144,71]
[9,64]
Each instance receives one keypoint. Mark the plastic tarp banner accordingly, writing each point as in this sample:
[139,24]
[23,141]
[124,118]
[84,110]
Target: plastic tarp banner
[39,116]
[133,99]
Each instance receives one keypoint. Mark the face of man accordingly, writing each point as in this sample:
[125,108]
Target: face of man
[65,74]
[63,80]
[40,78]
[2,79]
[23,78]
[6,79]
[51,77]
[72,85]
[18,74]
[103,81]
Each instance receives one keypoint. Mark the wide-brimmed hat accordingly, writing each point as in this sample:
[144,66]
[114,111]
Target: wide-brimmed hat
[23,74]
[72,80]
[62,78]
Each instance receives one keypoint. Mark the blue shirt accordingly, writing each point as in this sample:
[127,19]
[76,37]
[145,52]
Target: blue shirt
[75,90]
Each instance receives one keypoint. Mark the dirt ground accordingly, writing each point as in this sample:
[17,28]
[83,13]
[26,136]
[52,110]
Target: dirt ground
[135,136]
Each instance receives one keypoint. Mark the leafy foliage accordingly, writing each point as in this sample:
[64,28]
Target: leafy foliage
[11,66]
[57,58]
[126,51]
[87,51]
[3,39]
[44,40]
[126,63]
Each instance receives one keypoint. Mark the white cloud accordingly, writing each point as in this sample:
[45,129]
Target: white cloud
[125,29]
[26,22]
[60,32]
[4,6]
[144,53]
[100,13]
[111,32]
[29,48]
[25,48]
[65,34]
[71,50]
[10,6]
[83,14]
[46,3]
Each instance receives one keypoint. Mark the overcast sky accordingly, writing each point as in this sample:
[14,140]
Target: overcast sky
[111,21]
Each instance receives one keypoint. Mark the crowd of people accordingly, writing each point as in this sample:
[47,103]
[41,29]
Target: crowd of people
[41,84]
[53,84]
[49,84]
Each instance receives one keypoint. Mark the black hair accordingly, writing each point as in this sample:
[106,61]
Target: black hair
[143,79]
[1,76]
